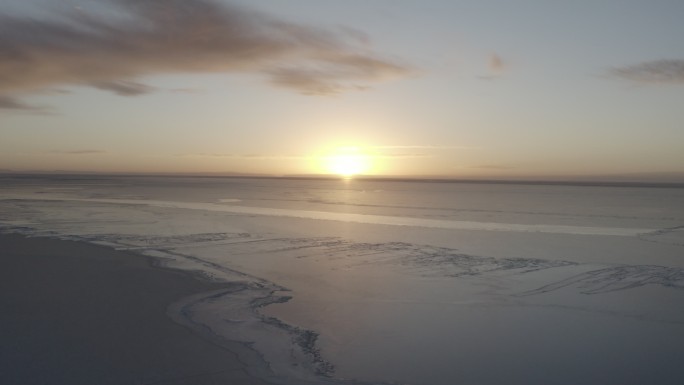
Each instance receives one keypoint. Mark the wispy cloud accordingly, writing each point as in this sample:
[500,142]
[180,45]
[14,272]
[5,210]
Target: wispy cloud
[185,90]
[272,157]
[182,36]
[78,152]
[124,88]
[8,103]
[243,156]
[296,157]
[493,167]
[13,104]
[402,156]
[422,147]
[666,71]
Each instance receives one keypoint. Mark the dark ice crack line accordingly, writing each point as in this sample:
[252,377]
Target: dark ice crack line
[618,278]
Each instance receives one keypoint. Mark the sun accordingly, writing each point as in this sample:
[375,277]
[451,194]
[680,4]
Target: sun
[346,165]
[347,162]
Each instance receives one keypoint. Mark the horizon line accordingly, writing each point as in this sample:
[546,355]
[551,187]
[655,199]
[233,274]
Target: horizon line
[587,180]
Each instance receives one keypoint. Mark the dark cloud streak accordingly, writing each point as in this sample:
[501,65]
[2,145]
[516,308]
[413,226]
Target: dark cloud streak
[8,103]
[124,88]
[665,71]
[13,104]
[182,36]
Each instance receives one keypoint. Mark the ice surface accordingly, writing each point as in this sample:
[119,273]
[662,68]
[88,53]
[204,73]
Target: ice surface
[374,219]
[407,282]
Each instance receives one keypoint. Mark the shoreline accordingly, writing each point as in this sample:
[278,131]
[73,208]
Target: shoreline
[77,312]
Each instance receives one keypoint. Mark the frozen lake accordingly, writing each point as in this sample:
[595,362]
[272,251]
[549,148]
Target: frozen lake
[403,282]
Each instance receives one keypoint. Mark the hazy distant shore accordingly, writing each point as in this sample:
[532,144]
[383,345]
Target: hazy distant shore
[75,313]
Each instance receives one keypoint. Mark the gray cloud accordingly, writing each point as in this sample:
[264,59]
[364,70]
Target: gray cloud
[307,81]
[666,71]
[182,36]
[124,88]
[13,104]
[8,103]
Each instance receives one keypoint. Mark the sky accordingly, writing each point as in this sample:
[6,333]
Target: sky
[431,88]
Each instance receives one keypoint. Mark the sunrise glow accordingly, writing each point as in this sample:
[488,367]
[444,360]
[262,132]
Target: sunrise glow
[347,162]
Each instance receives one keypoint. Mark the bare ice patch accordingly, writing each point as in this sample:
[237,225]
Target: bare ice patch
[373,219]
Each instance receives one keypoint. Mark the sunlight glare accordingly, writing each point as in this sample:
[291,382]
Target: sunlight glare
[347,162]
